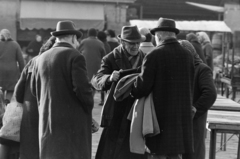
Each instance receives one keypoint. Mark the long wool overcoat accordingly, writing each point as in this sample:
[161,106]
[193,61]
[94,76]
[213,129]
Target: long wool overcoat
[11,64]
[168,72]
[29,145]
[204,97]
[114,141]
[60,83]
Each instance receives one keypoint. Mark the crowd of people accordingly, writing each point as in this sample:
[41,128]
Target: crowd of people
[56,88]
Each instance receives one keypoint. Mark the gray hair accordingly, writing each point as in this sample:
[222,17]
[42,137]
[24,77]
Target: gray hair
[166,34]
[63,37]
[203,37]
[6,34]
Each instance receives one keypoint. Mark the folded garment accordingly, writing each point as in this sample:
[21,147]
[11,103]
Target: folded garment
[143,123]
[124,87]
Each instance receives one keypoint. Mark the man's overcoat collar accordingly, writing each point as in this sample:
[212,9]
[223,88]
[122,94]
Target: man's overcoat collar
[63,44]
[168,41]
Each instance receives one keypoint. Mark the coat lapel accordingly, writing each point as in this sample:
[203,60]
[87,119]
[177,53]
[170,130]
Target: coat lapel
[121,60]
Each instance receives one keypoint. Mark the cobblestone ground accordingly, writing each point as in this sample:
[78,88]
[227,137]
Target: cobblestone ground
[232,141]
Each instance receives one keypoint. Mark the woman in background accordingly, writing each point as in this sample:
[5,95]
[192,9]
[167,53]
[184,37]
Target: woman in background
[29,148]
[11,63]
[204,40]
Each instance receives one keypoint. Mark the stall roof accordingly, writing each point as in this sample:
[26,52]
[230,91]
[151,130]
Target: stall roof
[208,7]
[46,14]
[214,26]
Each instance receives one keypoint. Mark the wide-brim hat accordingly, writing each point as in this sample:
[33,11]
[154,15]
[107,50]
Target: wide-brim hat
[131,34]
[66,28]
[165,24]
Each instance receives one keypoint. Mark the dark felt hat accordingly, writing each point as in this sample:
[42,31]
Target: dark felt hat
[66,28]
[131,34]
[165,24]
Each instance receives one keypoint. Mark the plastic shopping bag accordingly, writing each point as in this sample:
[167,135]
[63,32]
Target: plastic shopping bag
[12,121]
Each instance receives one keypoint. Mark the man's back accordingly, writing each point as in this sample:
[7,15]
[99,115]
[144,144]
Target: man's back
[65,101]
[93,51]
[168,72]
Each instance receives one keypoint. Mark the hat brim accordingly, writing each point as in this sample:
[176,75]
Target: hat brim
[175,30]
[143,38]
[67,32]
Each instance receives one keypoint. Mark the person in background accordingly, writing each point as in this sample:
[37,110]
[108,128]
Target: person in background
[204,97]
[11,63]
[168,72]
[93,50]
[111,39]
[114,141]
[147,45]
[33,47]
[204,40]
[60,83]
[103,38]
[193,39]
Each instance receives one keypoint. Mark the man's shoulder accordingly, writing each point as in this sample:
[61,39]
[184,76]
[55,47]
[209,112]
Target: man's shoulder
[202,67]
[109,56]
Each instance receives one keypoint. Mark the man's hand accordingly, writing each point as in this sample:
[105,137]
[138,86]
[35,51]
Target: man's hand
[194,110]
[114,76]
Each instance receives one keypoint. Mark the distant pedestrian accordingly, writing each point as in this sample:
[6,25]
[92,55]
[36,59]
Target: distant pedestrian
[59,82]
[11,63]
[93,50]
[112,39]
[206,47]
[33,47]
[193,39]
[103,38]
[147,45]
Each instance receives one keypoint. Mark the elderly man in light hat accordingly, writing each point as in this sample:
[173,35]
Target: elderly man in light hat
[61,86]
[168,72]
[123,60]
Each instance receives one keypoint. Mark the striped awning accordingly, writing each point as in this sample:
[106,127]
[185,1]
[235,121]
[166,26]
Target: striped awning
[46,14]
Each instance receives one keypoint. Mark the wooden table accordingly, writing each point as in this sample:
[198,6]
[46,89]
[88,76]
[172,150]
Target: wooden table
[223,103]
[223,117]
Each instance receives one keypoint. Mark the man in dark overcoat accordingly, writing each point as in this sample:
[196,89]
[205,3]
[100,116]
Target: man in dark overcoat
[114,141]
[168,72]
[204,97]
[60,83]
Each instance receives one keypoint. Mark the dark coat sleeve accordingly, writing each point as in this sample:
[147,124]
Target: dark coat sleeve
[207,91]
[145,80]
[100,80]
[81,85]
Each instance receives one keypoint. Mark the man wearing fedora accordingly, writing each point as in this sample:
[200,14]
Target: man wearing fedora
[61,86]
[168,72]
[114,141]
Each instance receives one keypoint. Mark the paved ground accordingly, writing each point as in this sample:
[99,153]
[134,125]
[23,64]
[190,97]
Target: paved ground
[230,153]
